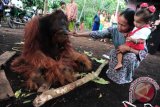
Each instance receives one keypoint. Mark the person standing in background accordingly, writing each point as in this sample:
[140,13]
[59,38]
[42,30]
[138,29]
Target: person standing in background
[102,20]
[71,12]
[62,6]
[96,22]
[113,21]
[16,8]
[3,6]
[82,25]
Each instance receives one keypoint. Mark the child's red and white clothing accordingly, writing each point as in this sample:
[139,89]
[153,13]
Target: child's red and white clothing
[139,33]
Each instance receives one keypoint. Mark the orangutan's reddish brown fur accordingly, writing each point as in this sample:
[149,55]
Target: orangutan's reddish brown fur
[48,54]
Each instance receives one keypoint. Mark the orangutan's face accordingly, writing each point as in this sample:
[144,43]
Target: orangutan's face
[58,27]
[61,36]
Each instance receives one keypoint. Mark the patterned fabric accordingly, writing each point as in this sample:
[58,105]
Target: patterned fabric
[124,75]
[130,63]
[130,60]
[71,11]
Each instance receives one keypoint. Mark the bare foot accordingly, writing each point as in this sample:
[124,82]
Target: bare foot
[118,66]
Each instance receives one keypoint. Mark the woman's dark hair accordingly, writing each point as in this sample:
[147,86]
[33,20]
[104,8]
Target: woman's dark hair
[129,16]
[145,14]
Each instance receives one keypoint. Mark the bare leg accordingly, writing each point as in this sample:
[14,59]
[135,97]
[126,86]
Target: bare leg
[119,64]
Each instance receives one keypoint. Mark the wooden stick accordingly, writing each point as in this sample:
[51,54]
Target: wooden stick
[5,89]
[5,57]
[53,93]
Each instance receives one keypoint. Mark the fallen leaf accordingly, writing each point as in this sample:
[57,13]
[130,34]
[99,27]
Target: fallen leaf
[27,101]
[100,81]
[29,94]
[88,53]
[100,95]
[98,60]
[17,93]
[23,95]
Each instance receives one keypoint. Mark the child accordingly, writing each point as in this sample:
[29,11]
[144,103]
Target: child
[62,6]
[81,27]
[140,33]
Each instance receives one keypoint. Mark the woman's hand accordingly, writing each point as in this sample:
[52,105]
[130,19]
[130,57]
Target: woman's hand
[75,34]
[80,34]
[123,49]
[72,33]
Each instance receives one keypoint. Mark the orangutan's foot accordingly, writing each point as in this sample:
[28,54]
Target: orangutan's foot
[44,87]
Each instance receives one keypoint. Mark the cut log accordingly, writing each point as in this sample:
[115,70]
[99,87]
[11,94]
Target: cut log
[5,57]
[53,93]
[5,89]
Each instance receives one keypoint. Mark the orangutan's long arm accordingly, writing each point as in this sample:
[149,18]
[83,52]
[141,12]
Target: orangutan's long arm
[40,60]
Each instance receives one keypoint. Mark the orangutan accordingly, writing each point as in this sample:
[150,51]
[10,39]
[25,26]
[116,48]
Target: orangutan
[48,54]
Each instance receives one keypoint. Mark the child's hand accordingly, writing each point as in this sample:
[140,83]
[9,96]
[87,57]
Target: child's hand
[128,39]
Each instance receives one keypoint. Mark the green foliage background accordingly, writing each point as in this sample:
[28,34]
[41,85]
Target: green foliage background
[90,9]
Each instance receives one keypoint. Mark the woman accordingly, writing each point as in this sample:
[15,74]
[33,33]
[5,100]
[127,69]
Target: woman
[131,59]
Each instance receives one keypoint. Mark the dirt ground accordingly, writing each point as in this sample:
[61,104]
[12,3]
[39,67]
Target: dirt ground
[89,95]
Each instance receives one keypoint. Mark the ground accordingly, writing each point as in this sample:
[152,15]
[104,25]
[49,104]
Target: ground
[90,94]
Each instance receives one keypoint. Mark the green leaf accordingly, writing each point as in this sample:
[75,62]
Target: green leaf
[100,81]
[98,60]
[29,94]
[23,95]
[17,93]
[27,101]
[88,53]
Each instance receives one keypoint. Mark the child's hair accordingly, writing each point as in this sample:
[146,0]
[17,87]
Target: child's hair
[146,12]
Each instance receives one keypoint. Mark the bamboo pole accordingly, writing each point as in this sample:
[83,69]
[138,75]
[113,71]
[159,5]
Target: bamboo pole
[53,93]
[117,8]
[45,7]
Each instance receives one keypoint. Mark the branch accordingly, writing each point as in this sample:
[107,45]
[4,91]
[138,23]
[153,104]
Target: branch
[53,93]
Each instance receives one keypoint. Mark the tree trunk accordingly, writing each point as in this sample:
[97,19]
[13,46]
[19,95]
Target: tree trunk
[45,6]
